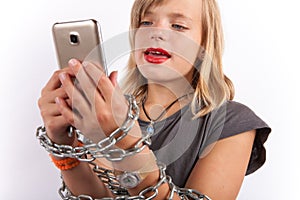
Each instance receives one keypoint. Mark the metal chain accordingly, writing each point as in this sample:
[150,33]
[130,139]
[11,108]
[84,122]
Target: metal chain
[90,152]
[109,179]
[106,149]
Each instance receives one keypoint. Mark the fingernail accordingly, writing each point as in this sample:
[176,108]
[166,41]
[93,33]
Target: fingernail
[62,76]
[57,101]
[73,62]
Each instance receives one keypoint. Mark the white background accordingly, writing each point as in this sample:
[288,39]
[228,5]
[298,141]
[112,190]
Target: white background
[261,57]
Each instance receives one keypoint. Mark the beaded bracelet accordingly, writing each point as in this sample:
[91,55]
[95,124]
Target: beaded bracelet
[66,163]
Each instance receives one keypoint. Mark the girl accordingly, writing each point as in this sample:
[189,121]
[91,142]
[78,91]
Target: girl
[189,133]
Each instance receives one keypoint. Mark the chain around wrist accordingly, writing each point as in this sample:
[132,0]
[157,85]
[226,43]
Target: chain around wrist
[65,163]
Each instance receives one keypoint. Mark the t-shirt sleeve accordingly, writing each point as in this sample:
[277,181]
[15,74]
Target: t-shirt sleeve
[234,118]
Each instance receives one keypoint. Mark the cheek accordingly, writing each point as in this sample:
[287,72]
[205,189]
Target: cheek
[185,49]
[141,39]
[138,56]
[140,44]
[182,65]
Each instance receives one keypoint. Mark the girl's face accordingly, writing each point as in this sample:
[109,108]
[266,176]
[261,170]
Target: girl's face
[168,40]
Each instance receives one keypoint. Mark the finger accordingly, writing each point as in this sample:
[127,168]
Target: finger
[114,80]
[50,110]
[96,65]
[78,101]
[113,77]
[60,92]
[95,75]
[106,88]
[85,81]
[56,125]
[69,116]
[57,130]
[104,85]
[93,72]
[68,101]
[54,81]
[46,103]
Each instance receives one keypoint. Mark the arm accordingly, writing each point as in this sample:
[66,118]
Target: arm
[209,176]
[216,182]
[221,172]
[56,126]
[82,180]
[105,110]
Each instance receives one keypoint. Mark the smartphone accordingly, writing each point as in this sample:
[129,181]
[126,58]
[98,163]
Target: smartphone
[81,40]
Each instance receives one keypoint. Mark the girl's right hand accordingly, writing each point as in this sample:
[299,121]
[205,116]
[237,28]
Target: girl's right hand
[55,124]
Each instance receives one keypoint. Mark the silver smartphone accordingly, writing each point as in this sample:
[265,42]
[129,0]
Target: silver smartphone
[81,40]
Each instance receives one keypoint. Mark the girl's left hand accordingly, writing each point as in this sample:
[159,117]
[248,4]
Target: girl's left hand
[97,106]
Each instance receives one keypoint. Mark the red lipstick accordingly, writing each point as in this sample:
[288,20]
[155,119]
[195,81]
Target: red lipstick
[156,55]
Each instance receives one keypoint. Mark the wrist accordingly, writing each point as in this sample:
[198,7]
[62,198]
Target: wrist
[131,139]
[67,137]
[66,163]
[133,170]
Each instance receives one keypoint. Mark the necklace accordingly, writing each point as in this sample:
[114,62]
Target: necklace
[150,128]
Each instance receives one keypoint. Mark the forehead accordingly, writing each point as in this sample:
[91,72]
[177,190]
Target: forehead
[189,8]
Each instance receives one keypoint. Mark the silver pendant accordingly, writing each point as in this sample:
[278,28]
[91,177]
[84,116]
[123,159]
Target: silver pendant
[150,128]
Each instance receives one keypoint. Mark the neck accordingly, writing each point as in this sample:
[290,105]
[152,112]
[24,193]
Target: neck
[161,101]
[164,93]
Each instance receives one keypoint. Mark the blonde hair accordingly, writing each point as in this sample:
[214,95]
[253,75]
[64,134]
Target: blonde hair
[212,87]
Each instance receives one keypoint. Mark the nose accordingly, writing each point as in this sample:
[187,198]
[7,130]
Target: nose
[158,34]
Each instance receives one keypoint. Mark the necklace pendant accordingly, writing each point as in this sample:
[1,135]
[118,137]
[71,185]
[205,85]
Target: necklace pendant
[150,128]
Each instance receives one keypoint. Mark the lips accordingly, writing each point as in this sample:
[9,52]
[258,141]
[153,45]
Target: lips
[156,55]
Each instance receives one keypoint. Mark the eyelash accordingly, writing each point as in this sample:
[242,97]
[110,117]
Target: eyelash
[179,27]
[174,26]
[145,23]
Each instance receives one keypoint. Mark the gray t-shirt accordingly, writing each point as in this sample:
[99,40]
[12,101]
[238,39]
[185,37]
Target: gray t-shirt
[179,140]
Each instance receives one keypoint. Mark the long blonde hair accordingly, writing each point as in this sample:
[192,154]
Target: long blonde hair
[212,87]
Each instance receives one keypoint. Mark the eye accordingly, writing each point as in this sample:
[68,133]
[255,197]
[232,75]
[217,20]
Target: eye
[145,23]
[179,27]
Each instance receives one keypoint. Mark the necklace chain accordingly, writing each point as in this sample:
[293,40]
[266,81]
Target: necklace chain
[163,112]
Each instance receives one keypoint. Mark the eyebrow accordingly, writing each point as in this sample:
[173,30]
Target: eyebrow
[180,16]
[173,15]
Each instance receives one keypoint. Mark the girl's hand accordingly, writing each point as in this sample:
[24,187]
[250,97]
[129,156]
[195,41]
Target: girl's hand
[55,124]
[98,105]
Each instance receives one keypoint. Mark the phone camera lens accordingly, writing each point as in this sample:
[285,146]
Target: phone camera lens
[74,38]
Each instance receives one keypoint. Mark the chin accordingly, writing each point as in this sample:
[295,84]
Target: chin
[159,73]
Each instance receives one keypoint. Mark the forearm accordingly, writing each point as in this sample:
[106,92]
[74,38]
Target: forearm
[145,164]
[82,180]
[78,176]
[152,175]
[153,179]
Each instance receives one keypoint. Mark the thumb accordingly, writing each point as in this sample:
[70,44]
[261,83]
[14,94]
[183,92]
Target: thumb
[114,78]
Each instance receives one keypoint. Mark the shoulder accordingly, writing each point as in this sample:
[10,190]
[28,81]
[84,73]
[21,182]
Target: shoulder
[236,109]
[235,118]
[239,118]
